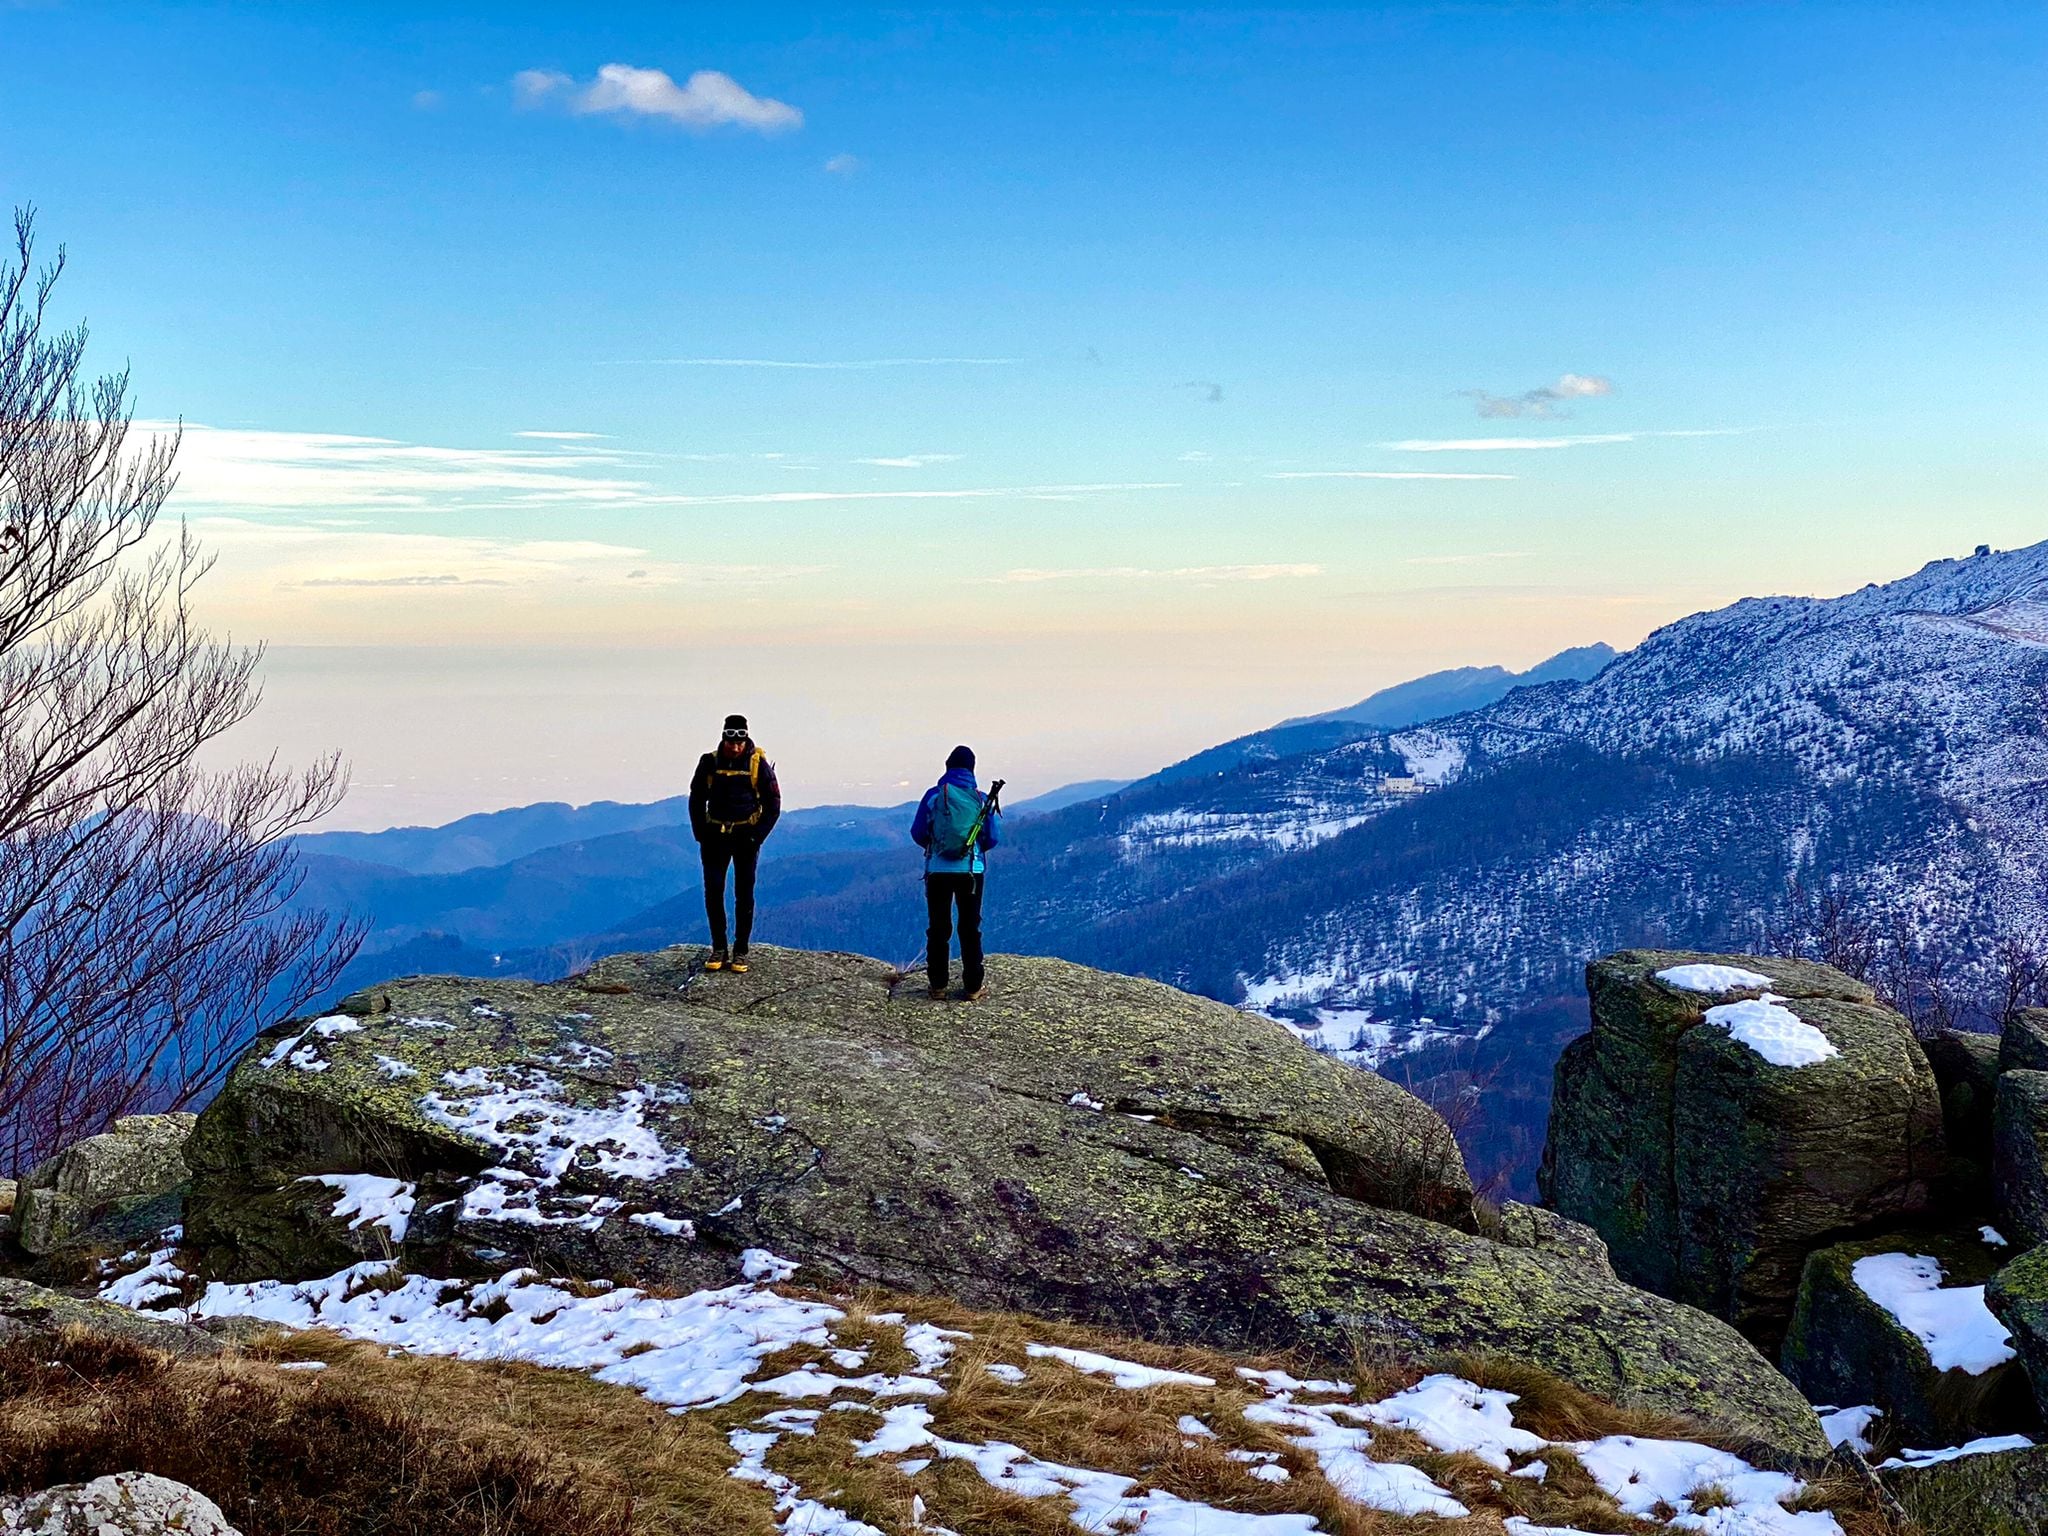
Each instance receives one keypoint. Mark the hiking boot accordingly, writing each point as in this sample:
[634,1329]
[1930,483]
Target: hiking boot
[977,995]
[739,962]
[936,994]
[718,961]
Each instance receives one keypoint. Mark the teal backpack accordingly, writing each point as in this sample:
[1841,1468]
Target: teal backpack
[956,821]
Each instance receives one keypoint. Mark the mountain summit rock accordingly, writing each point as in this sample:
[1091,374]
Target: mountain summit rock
[1084,1145]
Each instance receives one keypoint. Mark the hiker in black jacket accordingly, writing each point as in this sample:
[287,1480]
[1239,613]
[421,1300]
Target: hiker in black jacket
[734,803]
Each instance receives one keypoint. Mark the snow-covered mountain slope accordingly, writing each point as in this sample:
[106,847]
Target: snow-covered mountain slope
[1890,741]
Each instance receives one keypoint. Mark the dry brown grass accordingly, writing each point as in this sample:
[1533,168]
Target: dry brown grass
[652,1473]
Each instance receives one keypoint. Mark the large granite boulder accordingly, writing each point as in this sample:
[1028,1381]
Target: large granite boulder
[1966,1070]
[2023,1041]
[1718,1127]
[135,1161]
[1900,1323]
[1081,1145]
[2019,1156]
[1985,1493]
[2018,1297]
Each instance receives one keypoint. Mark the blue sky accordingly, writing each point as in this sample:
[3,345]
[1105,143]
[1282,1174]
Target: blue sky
[1116,328]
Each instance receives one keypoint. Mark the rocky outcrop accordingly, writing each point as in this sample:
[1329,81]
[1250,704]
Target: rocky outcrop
[125,1504]
[30,1311]
[1717,1128]
[2019,1155]
[2018,1297]
[1081,1145]
[1848,1343]
[2023,1041]
[1966,1071]
[1995,1493]
[137,1159]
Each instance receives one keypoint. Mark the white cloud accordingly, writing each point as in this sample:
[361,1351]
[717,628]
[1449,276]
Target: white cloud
[1196,456]
[912,460]
[779,362]
[708,99]
[1201,574]
[1579,440]
[843,165]
[1545,400]
[273,557]
[1504,444]
[426,101]
[245,467]
[1384,474]
[567,437]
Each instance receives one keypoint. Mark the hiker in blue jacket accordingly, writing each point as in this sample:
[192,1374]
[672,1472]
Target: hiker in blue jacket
[955,825]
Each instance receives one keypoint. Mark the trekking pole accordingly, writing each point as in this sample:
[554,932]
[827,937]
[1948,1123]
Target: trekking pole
[989,806]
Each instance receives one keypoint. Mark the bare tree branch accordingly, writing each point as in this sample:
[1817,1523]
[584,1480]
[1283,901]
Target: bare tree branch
[147,918]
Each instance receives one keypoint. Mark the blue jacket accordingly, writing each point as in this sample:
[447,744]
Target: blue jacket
[921,830]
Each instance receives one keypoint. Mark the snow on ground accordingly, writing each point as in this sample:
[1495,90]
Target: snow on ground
[1432,757]
[1713,979]
[1952,1322]
[1127,1374]
[710,1348]
[1773,1031]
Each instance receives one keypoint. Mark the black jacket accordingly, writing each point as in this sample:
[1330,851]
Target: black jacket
[727,799]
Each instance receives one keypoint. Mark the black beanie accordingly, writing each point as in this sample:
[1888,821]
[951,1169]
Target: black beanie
[960,757]
[735,722]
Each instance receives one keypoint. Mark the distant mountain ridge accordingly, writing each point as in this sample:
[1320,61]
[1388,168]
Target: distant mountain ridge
[1461,689]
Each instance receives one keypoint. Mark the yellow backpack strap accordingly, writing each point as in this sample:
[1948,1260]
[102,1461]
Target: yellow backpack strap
[754,769]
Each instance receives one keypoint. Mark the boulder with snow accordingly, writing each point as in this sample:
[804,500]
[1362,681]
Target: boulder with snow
[1900,1323]
[2019,1155]
[137,1159]
[1729,1114]
[1081,1145]
[124,1504]
[1996,1487]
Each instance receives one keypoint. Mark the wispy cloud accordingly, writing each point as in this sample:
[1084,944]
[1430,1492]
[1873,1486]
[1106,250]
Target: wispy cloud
[973,493]
[1477,557]
[911,460]
[245,467]
[1505,444]
[1385,474]
[278,557]
[1562,440]
[708,99]
[1200,574]
[843,165]
[783,362]
[567,437]
[1546,400]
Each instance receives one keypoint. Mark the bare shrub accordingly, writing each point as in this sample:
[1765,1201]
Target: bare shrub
[146,919]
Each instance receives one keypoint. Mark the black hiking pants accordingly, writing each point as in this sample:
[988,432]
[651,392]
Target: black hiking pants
[739,851]
[942,893]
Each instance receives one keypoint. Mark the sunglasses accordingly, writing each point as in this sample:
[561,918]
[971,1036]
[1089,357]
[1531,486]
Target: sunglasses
[734,735]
